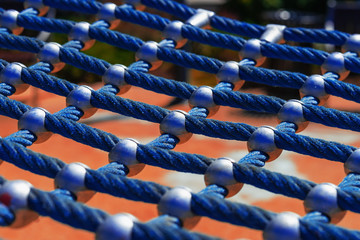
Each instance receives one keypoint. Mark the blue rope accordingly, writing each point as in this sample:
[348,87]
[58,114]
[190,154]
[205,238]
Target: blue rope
[209,127]
[80,216]
[306,55]
[108,178]
[210,201]
[142,18]
[7,217]
[248,73]
[321,115]
[250,30]
[171,7]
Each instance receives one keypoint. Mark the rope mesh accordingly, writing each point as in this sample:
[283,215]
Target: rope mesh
[127,157]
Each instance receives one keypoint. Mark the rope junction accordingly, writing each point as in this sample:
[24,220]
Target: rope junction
[179,209]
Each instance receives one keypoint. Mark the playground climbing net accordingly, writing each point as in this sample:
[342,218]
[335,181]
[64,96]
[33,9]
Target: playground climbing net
[179,208]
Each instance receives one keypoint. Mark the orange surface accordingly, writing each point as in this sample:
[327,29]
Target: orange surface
[317,170]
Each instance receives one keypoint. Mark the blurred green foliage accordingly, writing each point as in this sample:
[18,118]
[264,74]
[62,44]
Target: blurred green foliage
[251,10]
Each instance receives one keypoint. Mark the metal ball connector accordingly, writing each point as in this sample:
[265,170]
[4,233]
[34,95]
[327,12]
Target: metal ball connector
[203,97]
[38,5]
[177,203]
[292,111]
[14,194]
[34,121]
[107,13]
[229,72]
[352,44]
[9,20]
[201,18]
[11,75]
[115,75]
[252,50]
[220,172]
[117,227]
[274,33]
[323,198]
[315,86]
[80,98]
[174,123]
[173,31]
[80,32]
[284,226]
[124,152]
[148,53]
[335,63]
[72,178]
[136,4]
[50,53]
[263,139]
[352,164]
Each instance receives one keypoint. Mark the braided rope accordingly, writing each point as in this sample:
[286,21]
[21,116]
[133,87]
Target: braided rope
[61,204]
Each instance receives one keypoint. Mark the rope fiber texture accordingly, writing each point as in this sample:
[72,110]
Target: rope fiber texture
[113,178]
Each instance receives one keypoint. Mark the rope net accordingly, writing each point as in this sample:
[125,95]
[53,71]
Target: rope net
[179,208]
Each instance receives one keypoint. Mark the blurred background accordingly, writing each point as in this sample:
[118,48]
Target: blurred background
[340,15]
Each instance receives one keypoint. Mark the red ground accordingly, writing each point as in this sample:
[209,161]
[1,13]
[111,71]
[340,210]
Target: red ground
[317,170]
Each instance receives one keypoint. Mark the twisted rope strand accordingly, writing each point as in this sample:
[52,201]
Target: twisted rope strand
[250,30]
[307,55]
[248,73]
[208,127]
[317,114]
[210,201]
[101,181]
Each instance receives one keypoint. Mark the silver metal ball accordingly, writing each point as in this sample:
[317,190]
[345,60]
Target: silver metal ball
[201,18]
[80,32]
[284,226]
[292,111]
[229,72]
[148,53]
[107,13]
[173,31]
[352,164]
[117,227]
[203,97]
[72,178]
[14,194]
[11,75]
[252,50]
[115,75]
[220,172]
[315,86]
[274,33]
[177,203]
[335,63]
[352,44]
[323,198]
[50,53]
[9,20]
[263,139]
[124,152]
[174,123]
[80,97]
[34,121]
[38,5]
